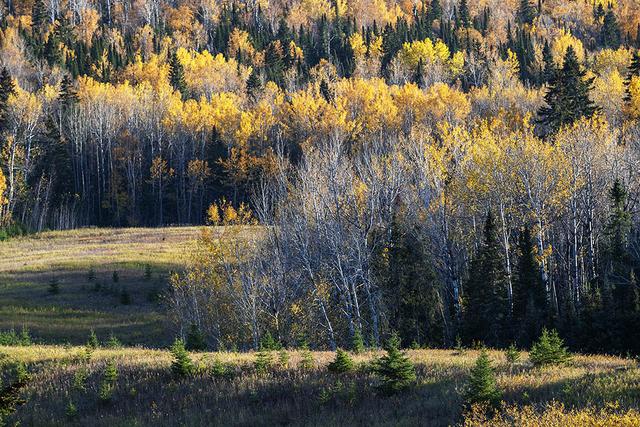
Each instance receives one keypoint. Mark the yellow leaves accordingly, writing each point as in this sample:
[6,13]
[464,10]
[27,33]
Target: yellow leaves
[447,103]
[239,43]
[89,19]
[155,71]
[223,213]
[160,169]
[207,74]
[357,45]
[3,188]
[198,170]
[562,42]
[306,11]
[607,60]
[608,93]
[424,50]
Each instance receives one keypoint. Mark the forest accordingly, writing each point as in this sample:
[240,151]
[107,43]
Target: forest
[454,171]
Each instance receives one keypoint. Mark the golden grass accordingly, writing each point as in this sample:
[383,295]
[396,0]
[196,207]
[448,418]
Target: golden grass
[147,393]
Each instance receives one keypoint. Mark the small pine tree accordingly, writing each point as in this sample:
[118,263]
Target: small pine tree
[482,387]
[610,34]
[71,411]
[80,379]
[22,373]
[91,275]
[54,286]
[93,342]
[148,273]
[218,369]
[549,350]
[182,364]
[358,342]
[125,298]
[512,355]
[110,372]
[395,369]
[283,358]
[263,361]
[113,341]
[342,363]
[25,337]
[195,339]
[269,343]
[306,357]
[115,277]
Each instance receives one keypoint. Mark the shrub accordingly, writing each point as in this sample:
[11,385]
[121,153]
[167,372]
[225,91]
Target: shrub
[93,342]
[283,358]
[113,341]
[263,360]
[125,298]
[395,369]
[482,387]
[512,354]
[269,343]
[342,363]
[307,361]
[195,339]
[549,350]
[182,364]
[54,286]
[358,342]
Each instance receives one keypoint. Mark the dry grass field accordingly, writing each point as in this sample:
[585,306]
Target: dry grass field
[146,392]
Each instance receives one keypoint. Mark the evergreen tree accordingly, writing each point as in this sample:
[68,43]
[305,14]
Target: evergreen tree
[550,70]
[435,10]
[176,75]
[567,98]
[253,84]
[463,14]
[486,302]
[610,35]
[418,77]
[342,363]
[38,18]
[526,12]
[263,361]
[358,342]
[54,286]
[634,71]
[196,340]
[548,350]
[7,88]
[482,387]
[93,343]
[395,369]
[113,341]
[181,366]
[529,294]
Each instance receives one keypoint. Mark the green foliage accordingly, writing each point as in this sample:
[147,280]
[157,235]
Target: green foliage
[306,357]
[12,338]
[342,363]
[283,358]
[125,298]
[549,350]
[263,362]
[196,340]
[148,272]
[80,379]
[93,342]
[110,372]
[218,369]
[395,370]
[115,277]
[71,410]
[54,286]
[269,343]
[176,75]
[182,365]
[512,355]
[482,387]
[113,342]
[568,96]
[22,373]
[358,342]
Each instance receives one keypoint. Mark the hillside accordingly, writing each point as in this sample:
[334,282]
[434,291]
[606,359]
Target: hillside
[82,264]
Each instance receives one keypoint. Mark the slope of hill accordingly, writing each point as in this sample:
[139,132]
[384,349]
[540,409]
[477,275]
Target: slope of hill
[60,285]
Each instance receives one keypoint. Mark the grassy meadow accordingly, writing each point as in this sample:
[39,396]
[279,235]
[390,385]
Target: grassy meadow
[146,393]
[82,264]
[58,380]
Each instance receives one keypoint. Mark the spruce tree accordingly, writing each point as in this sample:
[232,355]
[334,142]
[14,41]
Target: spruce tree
[38,17]
[93,342]
[526,12]
[253,84]
[54,286]
[567,98]
[7,88]
[482,387]
[435,10]
[181,366]
[486,299]
[549,350]
[264,360]
[610,35]
[358,342]
[463,14]
[342,363]
[549,71]
[529,294]
[634,71]
[196,340]
[176,75]
[395,370]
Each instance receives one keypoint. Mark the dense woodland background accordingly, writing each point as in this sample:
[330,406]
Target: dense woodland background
[448,170]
